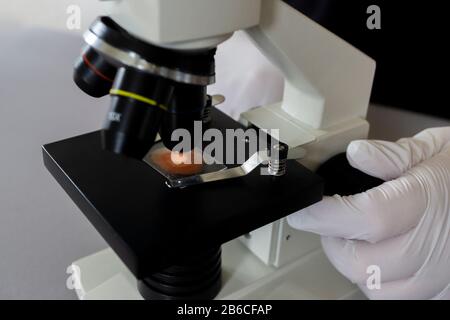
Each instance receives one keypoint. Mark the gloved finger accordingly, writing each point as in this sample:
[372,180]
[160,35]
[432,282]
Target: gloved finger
[393,258]
[357,260]
[389,160]
[383,212]
[415,288]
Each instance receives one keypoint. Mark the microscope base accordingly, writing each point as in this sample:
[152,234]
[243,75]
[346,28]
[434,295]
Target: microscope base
[104,277]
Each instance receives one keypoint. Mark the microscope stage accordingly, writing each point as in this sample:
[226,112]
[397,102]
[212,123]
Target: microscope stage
[151,226]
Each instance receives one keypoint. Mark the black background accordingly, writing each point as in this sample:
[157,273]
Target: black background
[411,48]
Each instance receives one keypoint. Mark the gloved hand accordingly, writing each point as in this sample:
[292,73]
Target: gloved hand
[401,227]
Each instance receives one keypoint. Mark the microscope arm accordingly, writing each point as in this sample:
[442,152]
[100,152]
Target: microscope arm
[327,80]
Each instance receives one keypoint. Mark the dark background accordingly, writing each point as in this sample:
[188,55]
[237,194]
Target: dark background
[411,48]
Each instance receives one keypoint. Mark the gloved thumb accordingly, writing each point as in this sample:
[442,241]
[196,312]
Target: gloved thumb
[390,160]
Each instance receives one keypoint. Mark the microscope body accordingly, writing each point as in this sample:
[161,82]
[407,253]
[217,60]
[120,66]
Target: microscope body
[184,25]
[327,83]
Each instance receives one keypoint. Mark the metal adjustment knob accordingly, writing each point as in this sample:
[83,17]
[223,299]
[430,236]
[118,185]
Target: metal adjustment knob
[278,159]
[213,101]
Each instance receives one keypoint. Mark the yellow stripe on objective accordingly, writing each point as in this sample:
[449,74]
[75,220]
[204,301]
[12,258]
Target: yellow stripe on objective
[131,95]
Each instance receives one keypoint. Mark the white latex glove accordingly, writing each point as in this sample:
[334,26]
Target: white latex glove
[403,226]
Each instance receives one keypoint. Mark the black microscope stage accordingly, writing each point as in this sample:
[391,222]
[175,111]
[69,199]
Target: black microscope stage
[151,226]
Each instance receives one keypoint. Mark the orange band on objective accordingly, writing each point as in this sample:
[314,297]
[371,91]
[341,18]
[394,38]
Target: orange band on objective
[95,70]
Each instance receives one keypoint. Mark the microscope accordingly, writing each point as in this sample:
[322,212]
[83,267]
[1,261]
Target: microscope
[156,59]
